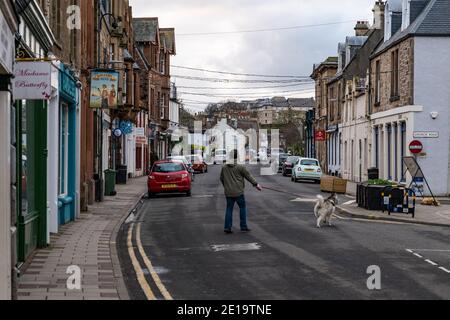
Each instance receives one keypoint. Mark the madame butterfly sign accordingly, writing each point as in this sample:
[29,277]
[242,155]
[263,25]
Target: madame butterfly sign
[32,81]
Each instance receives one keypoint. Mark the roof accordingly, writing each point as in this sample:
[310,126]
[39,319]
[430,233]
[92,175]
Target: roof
[168,34]
[301,102]
[331,62]
[145,29]
[434,20]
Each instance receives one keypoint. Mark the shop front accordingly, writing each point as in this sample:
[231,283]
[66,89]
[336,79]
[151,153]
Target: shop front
[67,173]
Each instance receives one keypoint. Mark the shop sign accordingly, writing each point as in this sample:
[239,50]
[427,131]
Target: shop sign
[320,135]
[32,81]
[68,84]
[139,132]
[141,140]
[104,85]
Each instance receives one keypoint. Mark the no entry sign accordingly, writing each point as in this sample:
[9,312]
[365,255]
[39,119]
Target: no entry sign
[415,147]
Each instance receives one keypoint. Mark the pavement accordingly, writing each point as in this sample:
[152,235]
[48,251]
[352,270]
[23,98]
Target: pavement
[175,248]
[88,243]
[425,215]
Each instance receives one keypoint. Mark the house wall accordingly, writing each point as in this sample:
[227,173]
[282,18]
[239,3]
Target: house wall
[432,91]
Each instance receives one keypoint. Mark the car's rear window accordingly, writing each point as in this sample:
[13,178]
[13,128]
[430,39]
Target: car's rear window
[309,163]
[168,167]
[292,159]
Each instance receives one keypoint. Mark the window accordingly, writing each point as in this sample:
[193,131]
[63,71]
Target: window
[162,63]
[402,147]
[377,83]
[63,148]
[394,75]
[377,147]
[163,106]
[389,149]
[331,109]
[139,158]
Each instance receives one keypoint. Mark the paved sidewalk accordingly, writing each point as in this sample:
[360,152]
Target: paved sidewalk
[89,243]
[427,215]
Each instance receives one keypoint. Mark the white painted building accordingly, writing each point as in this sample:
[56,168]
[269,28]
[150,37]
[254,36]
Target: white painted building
[8,26]
[424,35]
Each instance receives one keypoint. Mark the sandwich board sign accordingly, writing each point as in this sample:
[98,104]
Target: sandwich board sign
[418,177]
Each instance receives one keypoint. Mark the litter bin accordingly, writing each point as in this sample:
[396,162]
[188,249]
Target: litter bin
[110,182]
[373,173]
[122,174]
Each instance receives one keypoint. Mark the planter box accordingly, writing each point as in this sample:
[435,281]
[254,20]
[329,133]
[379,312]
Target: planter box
[333,184]
[369,197]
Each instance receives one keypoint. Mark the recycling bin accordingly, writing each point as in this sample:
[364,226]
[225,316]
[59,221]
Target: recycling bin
[110,182]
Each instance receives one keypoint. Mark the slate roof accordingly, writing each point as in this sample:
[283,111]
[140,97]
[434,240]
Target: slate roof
[169,38]
[433,21]
[145,29]
[301,102]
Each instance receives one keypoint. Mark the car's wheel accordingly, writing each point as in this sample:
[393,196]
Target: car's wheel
[151,195]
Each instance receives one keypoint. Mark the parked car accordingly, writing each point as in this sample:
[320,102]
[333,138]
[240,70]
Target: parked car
[186,162]
[307,169]
[220,156]
[289,164]
[169,177]
[198,164]
[281,160]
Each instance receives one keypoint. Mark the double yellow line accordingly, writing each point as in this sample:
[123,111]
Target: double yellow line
[138,269]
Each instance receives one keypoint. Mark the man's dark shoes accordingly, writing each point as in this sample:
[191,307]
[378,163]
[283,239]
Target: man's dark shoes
[228,231]
[246,230]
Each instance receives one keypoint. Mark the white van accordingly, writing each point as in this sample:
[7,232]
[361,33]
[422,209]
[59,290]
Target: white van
[220,156]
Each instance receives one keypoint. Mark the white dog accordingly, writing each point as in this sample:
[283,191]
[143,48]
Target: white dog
[325,208]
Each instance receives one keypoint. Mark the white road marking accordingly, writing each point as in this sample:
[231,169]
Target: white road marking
[236,247]
[428,260]
[431,262]
[304,200]
[349,202]
[443,269]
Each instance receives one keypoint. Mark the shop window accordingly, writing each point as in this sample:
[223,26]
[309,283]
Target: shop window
[63,148]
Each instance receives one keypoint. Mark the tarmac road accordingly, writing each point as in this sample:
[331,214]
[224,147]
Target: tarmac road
[176,249]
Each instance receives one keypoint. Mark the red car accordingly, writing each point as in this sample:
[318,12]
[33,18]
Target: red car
[169,177]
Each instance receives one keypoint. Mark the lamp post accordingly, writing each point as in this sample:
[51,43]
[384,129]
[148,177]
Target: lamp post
[99,113]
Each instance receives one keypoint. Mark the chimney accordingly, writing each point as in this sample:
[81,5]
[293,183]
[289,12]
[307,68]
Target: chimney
[378,15]
[361,28]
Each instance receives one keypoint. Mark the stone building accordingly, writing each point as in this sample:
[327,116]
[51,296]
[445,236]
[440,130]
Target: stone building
[321,74]
[409,92]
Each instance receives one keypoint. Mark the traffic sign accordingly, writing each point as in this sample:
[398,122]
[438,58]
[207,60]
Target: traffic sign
[416,147]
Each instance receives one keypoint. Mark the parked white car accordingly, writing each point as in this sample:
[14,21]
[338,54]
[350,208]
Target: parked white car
[220,156]
[307,169]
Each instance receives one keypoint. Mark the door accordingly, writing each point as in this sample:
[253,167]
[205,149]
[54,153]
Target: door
[31,176]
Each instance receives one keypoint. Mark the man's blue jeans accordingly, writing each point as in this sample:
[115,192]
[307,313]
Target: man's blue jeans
[229,213]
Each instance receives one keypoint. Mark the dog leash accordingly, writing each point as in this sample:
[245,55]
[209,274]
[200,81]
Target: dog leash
[281,191]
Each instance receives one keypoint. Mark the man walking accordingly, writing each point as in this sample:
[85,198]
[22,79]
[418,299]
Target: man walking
[233,178]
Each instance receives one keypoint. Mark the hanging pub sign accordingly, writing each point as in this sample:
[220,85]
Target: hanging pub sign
[32,80]
[104,84]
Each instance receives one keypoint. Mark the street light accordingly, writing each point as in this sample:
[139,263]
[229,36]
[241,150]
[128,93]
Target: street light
[99,151]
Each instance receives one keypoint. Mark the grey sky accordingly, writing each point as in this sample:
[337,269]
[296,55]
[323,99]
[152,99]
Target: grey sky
[288,52]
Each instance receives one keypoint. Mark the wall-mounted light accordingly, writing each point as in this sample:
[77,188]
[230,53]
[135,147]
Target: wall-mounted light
[434,115]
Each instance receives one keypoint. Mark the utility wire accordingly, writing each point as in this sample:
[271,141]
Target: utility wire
[264,30]
[240,80]
[246,88]
[238,74]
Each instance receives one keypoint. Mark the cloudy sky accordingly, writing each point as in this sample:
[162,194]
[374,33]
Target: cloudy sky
[280,52]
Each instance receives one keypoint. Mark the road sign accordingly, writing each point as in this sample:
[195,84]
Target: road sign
[321,135]
[416,147]
[426,134]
